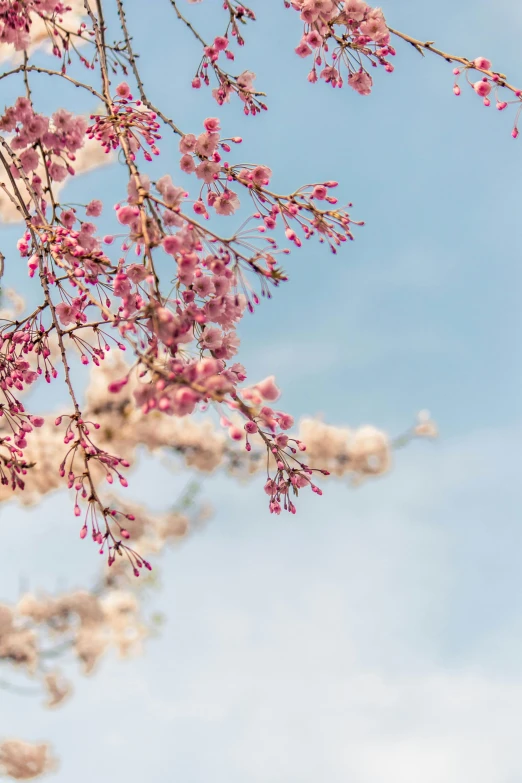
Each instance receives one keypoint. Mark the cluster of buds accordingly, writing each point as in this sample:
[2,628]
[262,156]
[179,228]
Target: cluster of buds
[130,121]
[227,84]
[299,211]
[489,82]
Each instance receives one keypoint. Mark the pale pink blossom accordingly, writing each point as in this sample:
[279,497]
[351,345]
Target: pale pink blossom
[187,164]
[227,203]
[94,208]
[355,10]
[268,389]
[206,144]
[303,50]
[187,143]
[245,81]
[361,82]
[260,175]
[172,244]
[66,313]
[207,170]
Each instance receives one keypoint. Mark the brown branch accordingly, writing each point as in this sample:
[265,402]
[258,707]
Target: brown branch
[420,46]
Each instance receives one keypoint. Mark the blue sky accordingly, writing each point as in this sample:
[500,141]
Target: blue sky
[376,636]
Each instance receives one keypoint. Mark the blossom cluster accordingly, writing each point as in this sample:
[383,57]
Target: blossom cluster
[16,19]
[218,50]
[343,38]
[488,83]
[129,123]
[39,140]
[347,38]
[202,445]
[163,285]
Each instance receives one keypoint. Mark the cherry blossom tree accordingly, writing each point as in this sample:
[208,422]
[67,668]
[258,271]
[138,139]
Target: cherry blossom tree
[167,287]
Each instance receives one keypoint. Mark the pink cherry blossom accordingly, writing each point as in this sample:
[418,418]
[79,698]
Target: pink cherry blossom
[94,208]
[211,125]
[361,82]
[268,389]
[482,88]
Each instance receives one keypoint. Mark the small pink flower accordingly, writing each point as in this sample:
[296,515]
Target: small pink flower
[285,421]
[268,389]
[211,124]
[94,208]
[187,143]
[260,175]
[355,10]
[57,172]
[187,164]
[361,82]
[245,81]
[375,27]
[220,43]
[123,90]
[136,273]
[199,208]
[66,313]
[172,245]
[483,63]
[482,88]
[320,192]
[206,171]
[68,218]
[29,160]
[206,144]
[126,215]
[314,39]
[227,203]
[303,50]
